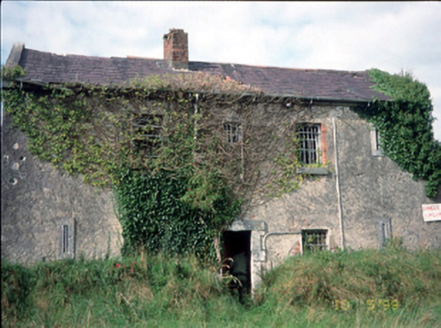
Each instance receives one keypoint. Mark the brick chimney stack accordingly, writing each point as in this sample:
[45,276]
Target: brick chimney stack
[176,49]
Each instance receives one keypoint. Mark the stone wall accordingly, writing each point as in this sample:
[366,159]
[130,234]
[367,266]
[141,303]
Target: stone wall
[36,197]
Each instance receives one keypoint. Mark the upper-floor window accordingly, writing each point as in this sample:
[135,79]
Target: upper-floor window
[147,131]
[232,131]
[376,142]
[308,136]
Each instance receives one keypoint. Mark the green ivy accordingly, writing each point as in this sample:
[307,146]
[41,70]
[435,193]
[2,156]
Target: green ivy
[12,73]
[405,126]
[165,200]
[156,215]
[182,195]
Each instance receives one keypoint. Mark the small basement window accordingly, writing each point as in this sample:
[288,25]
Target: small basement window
[308,136]
[232,132]
[148,132]
[314,240]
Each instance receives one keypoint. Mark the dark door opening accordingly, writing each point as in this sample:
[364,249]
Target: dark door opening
[237,255]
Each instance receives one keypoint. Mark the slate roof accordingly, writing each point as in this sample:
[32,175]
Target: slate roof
[44,68]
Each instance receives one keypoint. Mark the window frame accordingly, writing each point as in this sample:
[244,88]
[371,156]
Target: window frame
[233,132]
[376,149]
[309,155]
[318,235]
[147,135]
[66,238]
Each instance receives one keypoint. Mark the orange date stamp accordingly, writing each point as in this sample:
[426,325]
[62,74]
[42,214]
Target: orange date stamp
[371,304]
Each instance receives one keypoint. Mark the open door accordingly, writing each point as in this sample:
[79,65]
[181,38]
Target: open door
[237,245]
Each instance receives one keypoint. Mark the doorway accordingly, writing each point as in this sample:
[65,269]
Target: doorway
[236,243]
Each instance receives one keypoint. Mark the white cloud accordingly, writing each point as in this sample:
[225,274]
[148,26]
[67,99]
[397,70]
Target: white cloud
[336,35]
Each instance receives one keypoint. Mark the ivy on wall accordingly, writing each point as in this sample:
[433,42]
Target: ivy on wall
[177,197]
[154,215]
[405,126]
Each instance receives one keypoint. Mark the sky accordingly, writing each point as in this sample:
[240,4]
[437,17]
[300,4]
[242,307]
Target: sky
[353,36]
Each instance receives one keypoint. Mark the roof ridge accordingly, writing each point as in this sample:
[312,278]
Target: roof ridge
[281,67]
[199,61]
[48,67]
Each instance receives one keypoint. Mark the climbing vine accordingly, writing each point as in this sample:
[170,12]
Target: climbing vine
[161,143]
[185,153]
[405,126]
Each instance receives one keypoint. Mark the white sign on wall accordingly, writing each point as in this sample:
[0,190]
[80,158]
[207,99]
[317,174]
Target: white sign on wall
[432,212]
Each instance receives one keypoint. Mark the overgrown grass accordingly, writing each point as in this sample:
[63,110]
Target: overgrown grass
[369,288]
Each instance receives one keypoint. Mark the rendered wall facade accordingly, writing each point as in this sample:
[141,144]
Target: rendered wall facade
[35,197]
[373,190]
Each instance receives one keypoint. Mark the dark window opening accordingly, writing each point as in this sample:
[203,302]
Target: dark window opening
[65,241]
[314,240]
[384,231]
[232,132]
[308,136]
[66,238]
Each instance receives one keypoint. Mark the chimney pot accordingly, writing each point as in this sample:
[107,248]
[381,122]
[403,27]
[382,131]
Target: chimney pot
[176,49]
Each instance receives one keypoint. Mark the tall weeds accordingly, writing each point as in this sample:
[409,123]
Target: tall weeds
[316,290]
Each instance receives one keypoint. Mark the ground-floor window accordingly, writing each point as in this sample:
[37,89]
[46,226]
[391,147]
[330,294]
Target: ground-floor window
[314,240]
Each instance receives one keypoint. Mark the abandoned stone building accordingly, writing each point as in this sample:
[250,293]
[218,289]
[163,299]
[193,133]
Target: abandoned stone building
[357,200]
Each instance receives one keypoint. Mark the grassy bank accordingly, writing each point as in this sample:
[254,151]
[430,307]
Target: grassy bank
[369,288]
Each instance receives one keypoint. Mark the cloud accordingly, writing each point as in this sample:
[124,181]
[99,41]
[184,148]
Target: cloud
[391,36]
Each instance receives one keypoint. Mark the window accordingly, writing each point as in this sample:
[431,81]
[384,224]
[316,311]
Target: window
[314,240]
[376,142]
[147,132]
[308,136]
[384,230]
[66,238]
[232,132]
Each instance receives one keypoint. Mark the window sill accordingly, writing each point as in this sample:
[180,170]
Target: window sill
[313,170]
[377,153]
